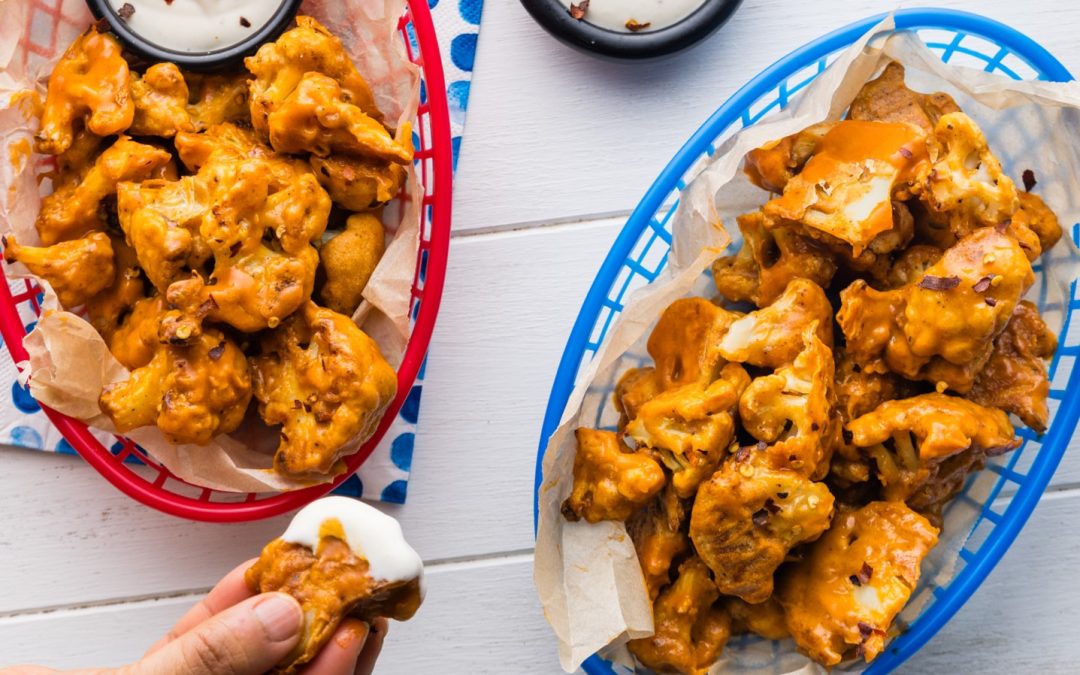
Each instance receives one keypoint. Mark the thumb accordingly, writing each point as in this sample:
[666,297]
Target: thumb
[246,639]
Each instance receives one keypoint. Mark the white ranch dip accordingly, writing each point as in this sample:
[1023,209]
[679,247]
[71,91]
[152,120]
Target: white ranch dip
[197,25]
[613,14]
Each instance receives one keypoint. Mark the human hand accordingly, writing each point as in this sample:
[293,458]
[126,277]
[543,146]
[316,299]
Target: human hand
[232,631]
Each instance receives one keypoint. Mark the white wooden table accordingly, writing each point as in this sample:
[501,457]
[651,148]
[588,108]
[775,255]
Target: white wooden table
[558,150]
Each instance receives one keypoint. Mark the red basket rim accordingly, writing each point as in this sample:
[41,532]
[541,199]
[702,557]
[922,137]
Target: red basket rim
[135,486]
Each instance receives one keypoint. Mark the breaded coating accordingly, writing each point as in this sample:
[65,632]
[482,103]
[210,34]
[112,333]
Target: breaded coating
[747,518]
[73,209]
[911,265]
[1033,220]
[330,585]
[77,269]
[768,260]
[659,533]
[611,481]
[843,596]
[771,166]
[941,328]
[216,99]
[191,393]
[88,87]
[773,336]
[690,630]
[690,428]
[349,259]
[765,618]
[1014,379]
[887,99]
[326,382]
[359,183]
[859,391]
[161,97]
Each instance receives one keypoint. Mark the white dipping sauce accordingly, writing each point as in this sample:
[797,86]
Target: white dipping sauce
[613,14]
[370,533]
[197,25]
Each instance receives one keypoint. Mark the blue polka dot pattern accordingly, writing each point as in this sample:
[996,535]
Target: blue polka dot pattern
[401,451]
[458,94]
[431,3]
[455,146]
[410,410]
[423,91]
[64,448]
[116,448]
[22,399]
[352,487]
[394,493]
[470,10]
[463,51]
[25,437]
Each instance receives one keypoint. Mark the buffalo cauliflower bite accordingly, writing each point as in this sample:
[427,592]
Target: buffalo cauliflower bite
[941,328]
[749,515]
[190,392]
[768,260]
[73,209]
[690,630]
[611,481]
[108,310]
[963,183]
[134,341]
[659,535]
[765,618]
[88,86]
[359,183]
[1034,225]
[887,99]
[792,409]
[77,269]
[773,336]
[1014,379]
[161,97]
[690,428]
[847,188]
[279,66]
[771,166]
[349,259]
[683,343]
[215,99]
[326,383]
[635,387]
[844,596]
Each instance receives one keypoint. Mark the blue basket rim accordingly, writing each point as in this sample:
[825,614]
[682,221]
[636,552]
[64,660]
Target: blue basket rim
[1027,496]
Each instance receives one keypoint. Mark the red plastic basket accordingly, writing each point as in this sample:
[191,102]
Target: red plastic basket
[151,483]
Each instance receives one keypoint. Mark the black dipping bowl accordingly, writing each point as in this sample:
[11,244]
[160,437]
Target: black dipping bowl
[204,61]
[580,34]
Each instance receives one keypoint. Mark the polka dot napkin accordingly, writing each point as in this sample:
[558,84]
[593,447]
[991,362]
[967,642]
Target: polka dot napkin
[385,475]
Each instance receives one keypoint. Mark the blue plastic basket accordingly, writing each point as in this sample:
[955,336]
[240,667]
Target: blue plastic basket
[1001,498]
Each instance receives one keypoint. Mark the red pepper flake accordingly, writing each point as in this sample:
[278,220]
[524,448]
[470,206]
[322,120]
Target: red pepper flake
[983,285]
[126,11]
[578,11]
[990,301]
[1029,180]
[863,575]
[932,283]
[633,26]
[760,517]
[905,153]
[781,495]
[771,506]
[865,630]
[216,352]
[1003,226]
[168,2]
[244,22]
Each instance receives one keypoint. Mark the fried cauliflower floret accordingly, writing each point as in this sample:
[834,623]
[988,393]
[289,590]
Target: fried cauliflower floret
[773,336]
[911,265]
[749,515]
[771,166]
[161,97]
[887,99]
[326,382]
[359,183]
[349,259]
[683,343]
[859,391]
[846,593]
[768,260]
[317,118]
[1033,219]
[765,618]
[963,182]
[659,535]
[635,388]
[611,481]
[330,584]
[875,259]
[135,341]
[191,393]
[792,409]
[108,310]
[278,67]
[88,86]
[73,209]
[689,630]
[1014,379]
[847,188]
[215,99]
[77,270]
[940,329]
[691,427]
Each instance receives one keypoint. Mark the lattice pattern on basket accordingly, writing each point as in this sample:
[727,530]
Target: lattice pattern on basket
[971,519]
[50,15]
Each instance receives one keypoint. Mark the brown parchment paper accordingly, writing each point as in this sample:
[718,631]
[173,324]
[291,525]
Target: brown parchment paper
[587,576]
[69,363]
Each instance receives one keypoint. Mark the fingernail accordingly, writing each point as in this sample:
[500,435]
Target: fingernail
[279,616]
